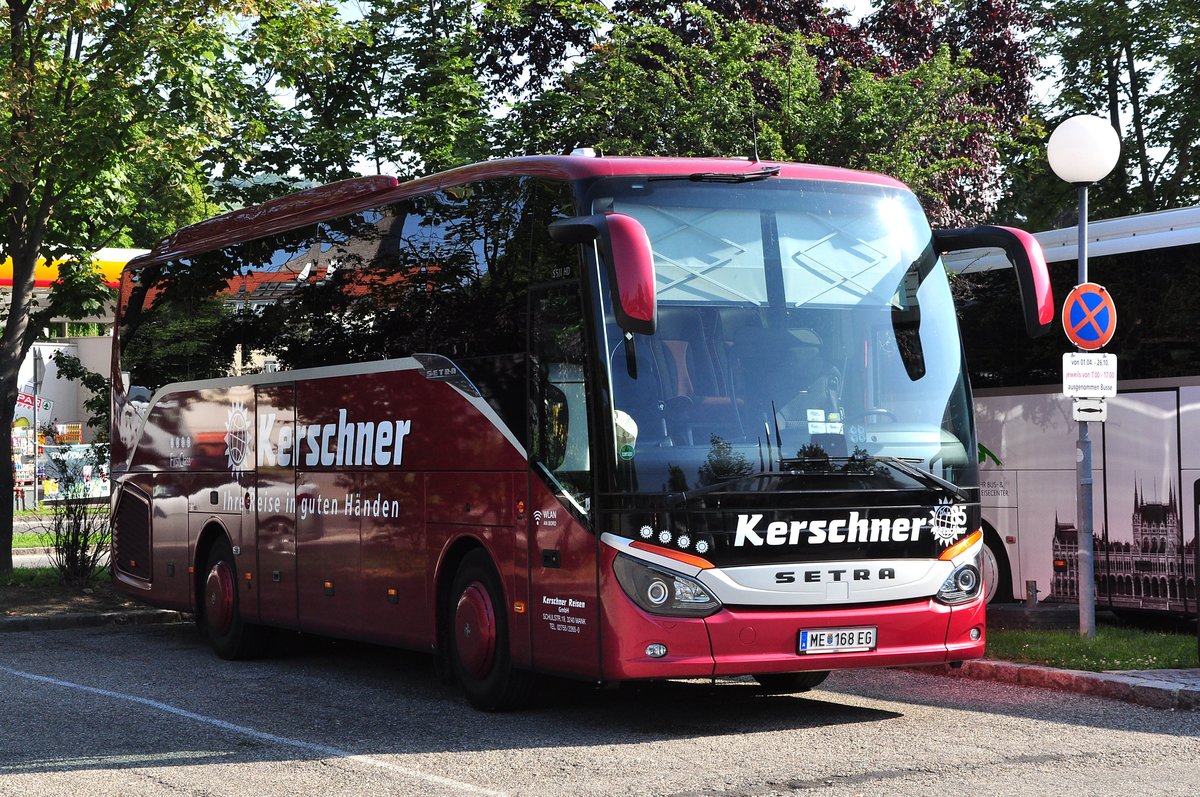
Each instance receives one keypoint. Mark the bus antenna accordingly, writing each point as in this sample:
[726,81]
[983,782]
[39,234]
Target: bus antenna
[754,132]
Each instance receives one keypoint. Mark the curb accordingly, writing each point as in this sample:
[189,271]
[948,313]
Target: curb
[1138,689]
[58,622]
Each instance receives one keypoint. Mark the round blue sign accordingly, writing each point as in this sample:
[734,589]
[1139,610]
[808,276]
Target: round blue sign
[1089,316]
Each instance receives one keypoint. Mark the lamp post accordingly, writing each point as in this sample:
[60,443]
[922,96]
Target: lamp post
[1083,150]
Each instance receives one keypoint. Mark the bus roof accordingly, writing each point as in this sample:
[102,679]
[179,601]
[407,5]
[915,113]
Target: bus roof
[348,196]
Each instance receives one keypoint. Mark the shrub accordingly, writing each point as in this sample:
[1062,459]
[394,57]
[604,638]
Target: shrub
[78,527]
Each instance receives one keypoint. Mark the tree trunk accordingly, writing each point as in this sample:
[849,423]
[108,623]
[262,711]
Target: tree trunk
[1112,68]
[8,407]
[1143,157]
[15,343]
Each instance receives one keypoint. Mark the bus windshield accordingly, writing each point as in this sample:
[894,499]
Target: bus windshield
[800,322]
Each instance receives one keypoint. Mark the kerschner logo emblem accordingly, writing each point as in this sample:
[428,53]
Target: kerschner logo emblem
[948,522]
[237,435]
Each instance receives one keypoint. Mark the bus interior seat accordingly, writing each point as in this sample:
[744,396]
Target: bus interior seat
[699,405]
[784,366]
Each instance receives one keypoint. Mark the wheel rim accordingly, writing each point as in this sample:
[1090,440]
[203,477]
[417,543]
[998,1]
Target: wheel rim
[475,630]
[219,599]
[991,572]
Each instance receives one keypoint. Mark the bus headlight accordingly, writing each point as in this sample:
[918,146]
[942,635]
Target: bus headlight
[961,586]
[660,591]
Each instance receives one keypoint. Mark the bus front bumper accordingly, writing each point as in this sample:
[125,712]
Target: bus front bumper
[750,640]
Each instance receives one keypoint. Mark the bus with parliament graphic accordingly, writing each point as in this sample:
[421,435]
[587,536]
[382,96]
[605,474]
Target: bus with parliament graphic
[598,417]
[1146,474]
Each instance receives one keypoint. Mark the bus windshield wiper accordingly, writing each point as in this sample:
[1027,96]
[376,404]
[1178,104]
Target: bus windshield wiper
[719,177]
[823,465]
[923,476]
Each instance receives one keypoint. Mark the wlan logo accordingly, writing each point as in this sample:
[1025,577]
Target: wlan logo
[537,517]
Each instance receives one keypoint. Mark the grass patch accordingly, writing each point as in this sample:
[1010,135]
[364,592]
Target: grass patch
[31,539]
[31,578]
[1114,648]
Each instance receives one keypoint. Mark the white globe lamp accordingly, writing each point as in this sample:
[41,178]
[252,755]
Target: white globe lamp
[1083,149]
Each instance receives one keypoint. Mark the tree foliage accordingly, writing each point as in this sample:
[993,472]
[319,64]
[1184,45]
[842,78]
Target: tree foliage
[1137,63]
[105,109]
[705,85]
[389,86]
[404,88]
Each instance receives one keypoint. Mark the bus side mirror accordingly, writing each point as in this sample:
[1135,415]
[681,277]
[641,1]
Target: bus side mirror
[625,248]
[1025,253]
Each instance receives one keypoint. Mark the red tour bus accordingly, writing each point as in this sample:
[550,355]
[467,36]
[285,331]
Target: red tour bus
[607,418]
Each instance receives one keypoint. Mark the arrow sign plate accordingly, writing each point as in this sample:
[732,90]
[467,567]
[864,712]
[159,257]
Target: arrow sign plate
[1089,409]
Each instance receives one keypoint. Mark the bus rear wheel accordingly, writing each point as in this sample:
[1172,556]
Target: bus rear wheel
[477,638]
[230,636]
[789,682]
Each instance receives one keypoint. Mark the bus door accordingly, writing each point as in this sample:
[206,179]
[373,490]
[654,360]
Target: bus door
[562,559]
[272,509]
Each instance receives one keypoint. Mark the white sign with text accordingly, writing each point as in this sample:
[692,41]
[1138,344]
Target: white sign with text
[1089,375]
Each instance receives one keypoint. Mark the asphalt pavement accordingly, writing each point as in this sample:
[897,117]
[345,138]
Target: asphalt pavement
[1165,689]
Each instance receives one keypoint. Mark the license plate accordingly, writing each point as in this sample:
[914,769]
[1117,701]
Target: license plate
[837,640]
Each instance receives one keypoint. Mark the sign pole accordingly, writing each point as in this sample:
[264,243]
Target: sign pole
[1087,559]
[38,372]
[1196,551]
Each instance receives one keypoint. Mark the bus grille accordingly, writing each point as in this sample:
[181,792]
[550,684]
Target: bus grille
[131,535]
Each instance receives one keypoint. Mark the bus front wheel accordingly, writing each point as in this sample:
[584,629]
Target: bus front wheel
[997,583]
[229,635]
[781,683]
[477,638]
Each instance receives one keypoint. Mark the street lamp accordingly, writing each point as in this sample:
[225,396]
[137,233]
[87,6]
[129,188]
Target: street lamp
[1083,150]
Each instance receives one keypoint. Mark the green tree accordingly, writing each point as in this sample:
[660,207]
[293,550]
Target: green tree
[1136,62]
[731,88]
[393,88]
[105,108]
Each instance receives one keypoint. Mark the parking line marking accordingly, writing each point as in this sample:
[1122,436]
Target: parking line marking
[321,749]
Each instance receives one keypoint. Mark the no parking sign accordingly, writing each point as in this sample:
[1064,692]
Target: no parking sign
[1089,316]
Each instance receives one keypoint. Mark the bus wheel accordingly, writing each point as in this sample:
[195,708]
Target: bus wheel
[477,638]
[780,683]
[997,584]
[229,635]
